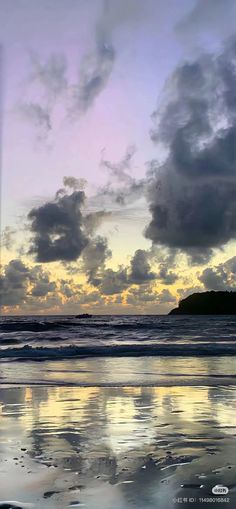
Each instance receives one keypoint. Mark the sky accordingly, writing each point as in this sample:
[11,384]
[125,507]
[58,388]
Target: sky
[118,154]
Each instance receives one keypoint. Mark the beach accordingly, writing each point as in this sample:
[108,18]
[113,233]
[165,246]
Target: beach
[118,254]
[118,433]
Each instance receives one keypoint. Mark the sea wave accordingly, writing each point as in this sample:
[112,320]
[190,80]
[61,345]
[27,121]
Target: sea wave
[48,353]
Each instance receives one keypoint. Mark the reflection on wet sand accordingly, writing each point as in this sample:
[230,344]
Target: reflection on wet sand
[126,371]
[116,447]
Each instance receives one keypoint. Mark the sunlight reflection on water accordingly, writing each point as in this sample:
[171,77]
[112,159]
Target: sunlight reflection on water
[115,447]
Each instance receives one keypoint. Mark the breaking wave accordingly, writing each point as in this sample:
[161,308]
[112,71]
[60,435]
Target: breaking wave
[47,353]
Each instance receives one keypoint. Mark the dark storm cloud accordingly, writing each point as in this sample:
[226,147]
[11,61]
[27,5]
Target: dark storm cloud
[62,229]
[140,269]
[221,277]
[199,256]
[58,229]
[19,283]
[192,197]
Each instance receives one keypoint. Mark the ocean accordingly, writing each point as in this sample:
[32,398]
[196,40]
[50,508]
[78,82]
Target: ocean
[117,412]
[54,337]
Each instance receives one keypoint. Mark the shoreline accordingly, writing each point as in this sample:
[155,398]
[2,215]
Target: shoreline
[147,371]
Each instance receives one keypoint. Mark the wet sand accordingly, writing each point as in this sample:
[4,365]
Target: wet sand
[122,371]
[116,447]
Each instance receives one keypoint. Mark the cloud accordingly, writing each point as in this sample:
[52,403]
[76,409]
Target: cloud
[192,194]
[112,281]
[49,82]
[221,277]
[19,283]
[166,296]
[146,295]
[42,284]
[140,296]
[97,66]
[121,195]
[66,287]
[93,220]
[185,292]
[120,171]
[167,276]
[13,283]
[140,270]
[32,289]
[77,295]
[57,229]
[199,256]
[74,183]
[122,189]
[39,116]
[109,281]
[208,16]
[50,74]
[95,256]
[166,260]
[94,74]
[62,230]
[7,238]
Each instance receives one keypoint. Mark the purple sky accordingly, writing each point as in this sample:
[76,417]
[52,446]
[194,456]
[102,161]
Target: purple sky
[51,130]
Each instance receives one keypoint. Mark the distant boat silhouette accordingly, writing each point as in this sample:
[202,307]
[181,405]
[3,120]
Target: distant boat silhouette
[84,315]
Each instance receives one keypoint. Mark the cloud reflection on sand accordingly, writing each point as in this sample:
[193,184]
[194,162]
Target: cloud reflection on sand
[118,447]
